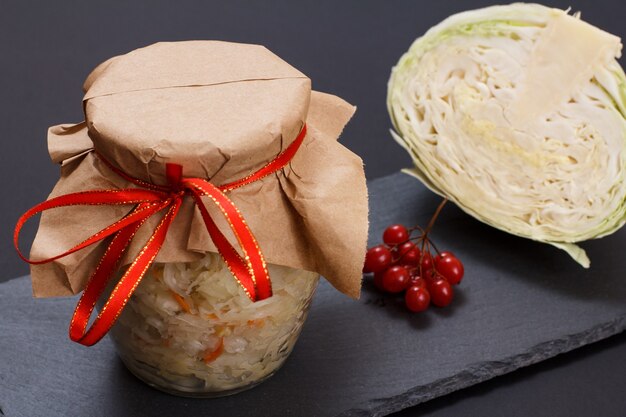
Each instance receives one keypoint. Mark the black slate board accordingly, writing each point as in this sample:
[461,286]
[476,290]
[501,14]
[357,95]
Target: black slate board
[521,302]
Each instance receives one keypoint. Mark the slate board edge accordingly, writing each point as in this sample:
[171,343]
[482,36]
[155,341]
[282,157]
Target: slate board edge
[484,371]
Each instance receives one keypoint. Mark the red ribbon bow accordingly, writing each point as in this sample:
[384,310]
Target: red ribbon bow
[250,270]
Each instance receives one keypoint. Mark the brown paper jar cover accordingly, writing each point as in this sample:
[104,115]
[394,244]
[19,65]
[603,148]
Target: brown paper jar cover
[222,110]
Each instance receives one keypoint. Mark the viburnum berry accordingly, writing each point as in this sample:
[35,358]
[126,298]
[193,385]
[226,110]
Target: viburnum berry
[441,293]
[451,269]
[395,235]
[396,279]
[407,254]
[417,298]
[377,259]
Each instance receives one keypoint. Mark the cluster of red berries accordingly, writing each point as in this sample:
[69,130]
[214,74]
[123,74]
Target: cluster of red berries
[406,264]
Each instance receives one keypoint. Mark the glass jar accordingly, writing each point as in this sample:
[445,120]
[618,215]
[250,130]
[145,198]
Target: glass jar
[189,329]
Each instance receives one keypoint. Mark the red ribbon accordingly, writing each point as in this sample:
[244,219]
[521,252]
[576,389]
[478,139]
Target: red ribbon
[250,270]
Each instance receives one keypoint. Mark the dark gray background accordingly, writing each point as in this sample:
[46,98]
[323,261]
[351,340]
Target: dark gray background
[347,48]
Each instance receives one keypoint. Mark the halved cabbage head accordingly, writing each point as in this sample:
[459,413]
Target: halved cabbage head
[517,114]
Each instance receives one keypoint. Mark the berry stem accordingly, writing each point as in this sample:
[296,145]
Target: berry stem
[425,246]
[431,223]
[412,229]
[434,247]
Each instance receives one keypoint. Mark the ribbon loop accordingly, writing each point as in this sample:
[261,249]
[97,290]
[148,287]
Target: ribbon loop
[248,268]
[109,197]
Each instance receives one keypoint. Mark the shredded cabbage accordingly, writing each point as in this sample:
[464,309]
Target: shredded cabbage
[190,328]
[517,114]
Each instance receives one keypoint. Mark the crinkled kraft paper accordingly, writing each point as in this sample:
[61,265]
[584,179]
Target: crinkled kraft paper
[221,110]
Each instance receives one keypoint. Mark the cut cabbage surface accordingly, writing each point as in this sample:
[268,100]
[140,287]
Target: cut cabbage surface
[517,114]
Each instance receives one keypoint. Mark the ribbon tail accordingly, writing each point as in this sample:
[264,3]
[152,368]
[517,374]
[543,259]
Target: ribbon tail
[236,265]
[124,288]
[250,267]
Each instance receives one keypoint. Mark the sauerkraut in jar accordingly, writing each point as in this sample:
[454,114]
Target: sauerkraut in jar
[189,329]
[191,133]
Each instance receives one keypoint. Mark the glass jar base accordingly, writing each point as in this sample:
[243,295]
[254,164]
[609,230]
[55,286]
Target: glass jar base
[148,376]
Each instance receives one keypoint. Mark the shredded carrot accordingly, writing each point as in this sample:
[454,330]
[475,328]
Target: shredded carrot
[212,316]
[256,323]
[211,355]
[181,302]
